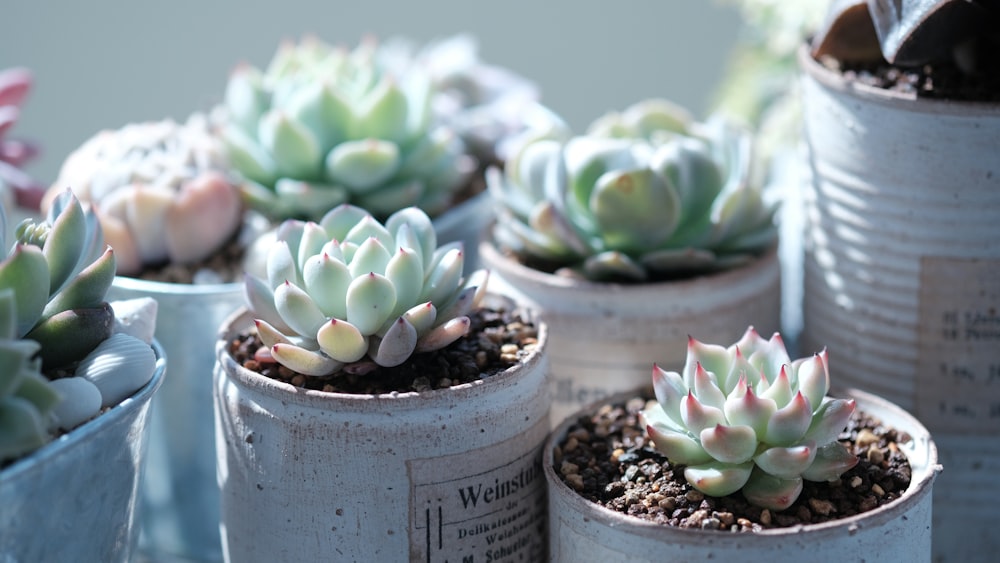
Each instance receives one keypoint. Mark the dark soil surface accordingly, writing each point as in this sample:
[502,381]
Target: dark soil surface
[929,81]
[608,460]
[497,340]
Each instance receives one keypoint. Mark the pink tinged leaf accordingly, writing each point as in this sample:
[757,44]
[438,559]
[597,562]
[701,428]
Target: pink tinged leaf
[206,213]
[830,420]
[366,228]
[260,299]
[146,213]
[698,417]
[269,335]
[786,463]
[306,362]
[327,280]
[396,346]
[706,389]
[770,357]
[790,423]
[8,117]
[773,493]
[750,410]
[370,302]
[679,447]
[670,391]
[813,377]
[718,479]
[263,355]
[14,85]
[311,243]
[281,265]
[461,305]
[443,335]
[742,368]
[780,390]
[371,256]
[832,460]
[712,357]
[342,341]
[117,235]
[406,272]
[730,444]
[298,310]
[422,317]
[480,280]
[749,343]
[444,276]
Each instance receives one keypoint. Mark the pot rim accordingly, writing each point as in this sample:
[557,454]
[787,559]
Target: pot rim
[160,287]
[97,424]
[909,102]
[513,269]
[920,484]
[473,391]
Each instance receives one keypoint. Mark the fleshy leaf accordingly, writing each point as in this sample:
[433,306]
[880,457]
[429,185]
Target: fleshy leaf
[718,479]
[772,492]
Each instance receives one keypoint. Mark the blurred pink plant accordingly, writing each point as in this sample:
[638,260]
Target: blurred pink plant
[14,153]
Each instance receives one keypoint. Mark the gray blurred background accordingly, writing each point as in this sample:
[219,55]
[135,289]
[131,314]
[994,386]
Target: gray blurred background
[104,63]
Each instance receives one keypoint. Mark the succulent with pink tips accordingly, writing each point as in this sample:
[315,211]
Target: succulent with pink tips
[162,191]
[15,83]
[350,293]
[748,417]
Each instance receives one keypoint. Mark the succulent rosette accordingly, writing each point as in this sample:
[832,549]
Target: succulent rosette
[323,126]
[162,190]
[647,194]
[749,418]
[349,293]
[15,83]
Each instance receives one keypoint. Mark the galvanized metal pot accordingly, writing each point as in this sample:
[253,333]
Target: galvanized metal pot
[74,499]
[452,474]
[901,275]
[605,337]
[179,505]
[584,531]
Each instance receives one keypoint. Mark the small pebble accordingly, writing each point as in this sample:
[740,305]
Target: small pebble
[765,517]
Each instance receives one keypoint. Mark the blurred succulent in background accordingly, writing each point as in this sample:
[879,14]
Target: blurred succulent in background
[14,153]
[748,417]
[349,293]
[53,316]
[489,106]
[162,191]
[648,194]
[324,126]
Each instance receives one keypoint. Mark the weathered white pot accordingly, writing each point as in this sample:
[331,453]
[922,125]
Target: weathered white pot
[179,505]
[464,222]
[453,474]
[605,337]
[74,499]
[585,531]
[901,275]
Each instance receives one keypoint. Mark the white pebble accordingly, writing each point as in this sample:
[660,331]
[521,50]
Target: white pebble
[119,366]
[136,317]
[81,401]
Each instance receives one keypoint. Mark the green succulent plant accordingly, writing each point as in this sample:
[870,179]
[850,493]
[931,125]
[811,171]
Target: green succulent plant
[349,293]
[647,194]
[748,417]
[323,126]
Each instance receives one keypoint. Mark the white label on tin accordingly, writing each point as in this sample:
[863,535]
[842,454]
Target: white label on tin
[466,509]
[958,372]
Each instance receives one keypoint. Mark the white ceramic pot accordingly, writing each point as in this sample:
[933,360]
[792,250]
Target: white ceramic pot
[74,499]
[585,531]
[447,475]
[179,505]
[605,337]
[901,275]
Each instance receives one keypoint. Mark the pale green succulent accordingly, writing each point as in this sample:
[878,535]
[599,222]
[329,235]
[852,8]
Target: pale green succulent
[324,126]
[162,190]
[648,194]
[349,293]
[748,417]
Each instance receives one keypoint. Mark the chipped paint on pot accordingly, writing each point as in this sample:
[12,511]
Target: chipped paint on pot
[74,499]
[605,337]
[452,474]
[901,275]
[179,500]
[584,531]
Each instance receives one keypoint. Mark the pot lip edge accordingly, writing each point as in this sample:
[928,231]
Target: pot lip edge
[153,287]
[127,406]
[584,508]
[226,364]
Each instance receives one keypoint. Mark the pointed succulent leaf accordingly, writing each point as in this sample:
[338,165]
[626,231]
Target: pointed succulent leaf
[371,256]
[292,146]
[306,362]
[444,278]
[670,391]
[363,166]
[750,410]
[697,416]
[249,158]
[367,228]
[281,266]
[66,241]
[68,336]
[443,335]
[813,377]
[245,97]
[462,303]
[370,301]
[786,463]
[87,289]
[26,272]
[269,336]
[406,272]
[297,309]
[770,357]
[789,423]
[259,298]
[310,244]
[305,199]
[772,492]
[706,388]
[831,461]
[385,114]
[829,420]
[396,346]
[780,389]
[341,219]
[712,357]
[327,280]
[718,479]
[342,341]
[422,317]
[679,447]
[729,444]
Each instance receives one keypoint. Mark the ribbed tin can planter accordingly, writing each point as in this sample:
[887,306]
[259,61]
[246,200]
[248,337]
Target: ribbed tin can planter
[448,475]
[605,337]
[179,505]
[74,499]
[902,275]
[900,531]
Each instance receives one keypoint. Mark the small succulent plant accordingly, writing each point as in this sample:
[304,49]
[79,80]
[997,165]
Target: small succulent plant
[323,126]
[53,316]
[162,191]
[349,293]
[646,194]
[747,417]
[14,153]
